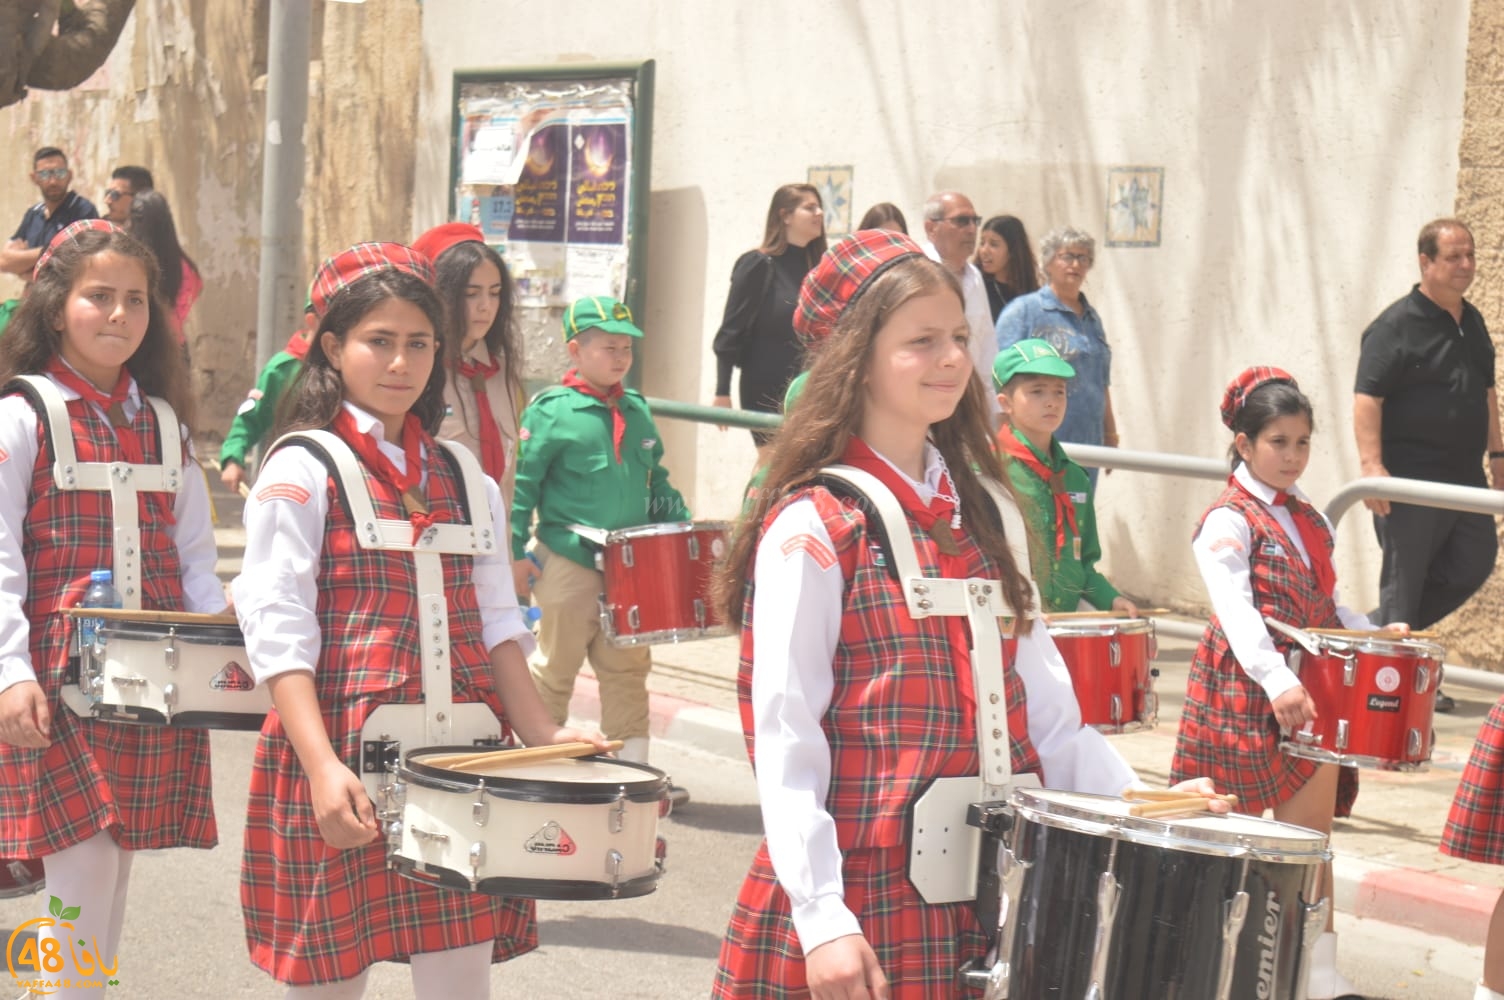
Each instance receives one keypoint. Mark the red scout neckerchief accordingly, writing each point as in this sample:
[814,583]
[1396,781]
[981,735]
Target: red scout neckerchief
[298,346]
[935,518]
[405,483]
[125,436]
[1065,511]
[493,454]
[1311,536]
[611,397]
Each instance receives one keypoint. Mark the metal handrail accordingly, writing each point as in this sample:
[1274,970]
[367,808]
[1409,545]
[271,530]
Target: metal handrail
[1161,462]
[749,419]
[1470,499]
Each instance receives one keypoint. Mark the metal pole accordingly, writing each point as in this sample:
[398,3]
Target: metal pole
[281,276]
[676,410]
[1422,493]
[1159,462]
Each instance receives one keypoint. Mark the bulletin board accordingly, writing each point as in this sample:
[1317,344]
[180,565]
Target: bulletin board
[553,165]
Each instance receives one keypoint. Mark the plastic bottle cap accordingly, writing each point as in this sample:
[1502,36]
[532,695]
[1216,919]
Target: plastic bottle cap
[102,576]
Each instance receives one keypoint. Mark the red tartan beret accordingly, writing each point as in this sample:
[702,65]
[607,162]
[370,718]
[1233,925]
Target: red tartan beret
[344,269]
[67,233]
[1238,389]
[843,274]
[442,237]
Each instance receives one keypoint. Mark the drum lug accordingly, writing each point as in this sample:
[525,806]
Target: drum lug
[1312,924]
[428,836]
[134,680]
[393,797]
[169,699]
[626,554]
[634,620]
[477,859]
[699,613]
[1108,892]
[613,868]
[393,838]
[170,651]
[1116,711]
[660,854]
[1414,745]
[694,547]
[1235,912]
[1114,652]
[1422,678]
[1349,669]
[1341,734]
[618,820]
[1009,895]
[480,809]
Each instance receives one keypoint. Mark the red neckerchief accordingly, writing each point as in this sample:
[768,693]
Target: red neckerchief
[935,519]
[493,454]
[405,483]
[611,397]
[297,346]
[1065,511]
[1311,536]
[125,435]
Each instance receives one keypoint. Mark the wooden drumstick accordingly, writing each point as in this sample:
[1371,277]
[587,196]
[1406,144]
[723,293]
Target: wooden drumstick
[1378,633]
[518,756]
[165,617]
[1178,807]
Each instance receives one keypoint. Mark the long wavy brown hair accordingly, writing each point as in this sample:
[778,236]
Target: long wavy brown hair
[34,336]
[828,412]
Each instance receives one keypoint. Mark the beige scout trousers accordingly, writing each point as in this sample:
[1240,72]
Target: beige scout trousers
[570,630]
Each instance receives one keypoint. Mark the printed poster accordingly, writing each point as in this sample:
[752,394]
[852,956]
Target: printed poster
[598,184]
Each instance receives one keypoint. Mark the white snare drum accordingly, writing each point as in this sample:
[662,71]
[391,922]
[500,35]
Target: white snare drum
[161,668]
[561,829]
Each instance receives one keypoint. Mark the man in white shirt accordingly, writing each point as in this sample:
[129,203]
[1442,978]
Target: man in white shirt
[950,230]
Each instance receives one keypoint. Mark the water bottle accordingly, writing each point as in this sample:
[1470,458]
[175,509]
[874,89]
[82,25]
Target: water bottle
[101,594]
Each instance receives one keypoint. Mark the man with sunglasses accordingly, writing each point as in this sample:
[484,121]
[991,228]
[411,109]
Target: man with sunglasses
[125,183]
[950,229]
[59,208]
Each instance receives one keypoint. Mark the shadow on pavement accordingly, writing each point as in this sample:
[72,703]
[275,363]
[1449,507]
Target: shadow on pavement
[631,932]
[719,817]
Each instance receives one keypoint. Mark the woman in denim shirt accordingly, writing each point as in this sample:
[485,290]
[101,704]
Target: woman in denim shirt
[1059,313]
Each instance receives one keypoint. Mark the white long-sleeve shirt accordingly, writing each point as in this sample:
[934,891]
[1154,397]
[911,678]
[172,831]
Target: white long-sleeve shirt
[276,593]
[192,535]
[797,608]
[1221,549]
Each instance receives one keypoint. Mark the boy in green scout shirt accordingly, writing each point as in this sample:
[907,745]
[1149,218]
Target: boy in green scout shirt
[590,455]
[253,421]
[1030,377]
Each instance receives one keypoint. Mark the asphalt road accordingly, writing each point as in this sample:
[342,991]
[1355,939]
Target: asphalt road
[183,934]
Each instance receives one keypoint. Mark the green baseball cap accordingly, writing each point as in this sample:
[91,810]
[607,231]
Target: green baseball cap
[1029,357]
[598,312]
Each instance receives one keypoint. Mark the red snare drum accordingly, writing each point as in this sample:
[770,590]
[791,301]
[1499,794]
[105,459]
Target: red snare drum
[657,586]
[1108,659]
[1375,701]
[20,878]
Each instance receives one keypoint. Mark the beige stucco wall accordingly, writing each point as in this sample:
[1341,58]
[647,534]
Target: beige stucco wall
[1303,145]
[180,95]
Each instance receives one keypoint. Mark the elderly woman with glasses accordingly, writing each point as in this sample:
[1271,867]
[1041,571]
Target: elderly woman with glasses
[1059,313]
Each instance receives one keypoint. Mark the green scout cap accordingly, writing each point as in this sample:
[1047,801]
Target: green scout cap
[1029,357]
[598,312]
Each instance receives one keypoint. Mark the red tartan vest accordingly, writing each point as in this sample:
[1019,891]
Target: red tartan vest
[1284,587]
[69,533]
[897,718]
[368,607]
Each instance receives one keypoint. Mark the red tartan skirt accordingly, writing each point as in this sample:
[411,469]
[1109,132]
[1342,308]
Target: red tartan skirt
[316,914]
[1228,733]
[149,786]
[1475,826]
[919,947]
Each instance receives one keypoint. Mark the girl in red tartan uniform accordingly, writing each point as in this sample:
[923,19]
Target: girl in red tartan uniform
[333,628]
[483,396]
[1264,550]
[1475,831]
[850,706]
[85,795]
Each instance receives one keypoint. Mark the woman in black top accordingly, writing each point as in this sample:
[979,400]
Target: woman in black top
[1006,261]
[757,331]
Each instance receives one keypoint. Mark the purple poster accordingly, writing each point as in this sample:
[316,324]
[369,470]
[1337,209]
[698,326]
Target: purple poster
[538,209]
[598,184]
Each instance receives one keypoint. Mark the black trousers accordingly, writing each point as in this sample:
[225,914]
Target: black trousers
[1434,560]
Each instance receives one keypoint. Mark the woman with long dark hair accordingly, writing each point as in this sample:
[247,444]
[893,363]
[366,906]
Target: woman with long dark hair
[1006,261]
[178,279]
[757,331]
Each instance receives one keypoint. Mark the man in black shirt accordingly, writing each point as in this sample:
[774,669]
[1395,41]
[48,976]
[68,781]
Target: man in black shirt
[1424,407]
[59,208]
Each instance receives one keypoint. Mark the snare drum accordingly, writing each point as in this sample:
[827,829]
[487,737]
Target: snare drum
[657,582]
[167,668]
[1375,701]
[1098,903]
[1108,659]
[20,877]
[562,829]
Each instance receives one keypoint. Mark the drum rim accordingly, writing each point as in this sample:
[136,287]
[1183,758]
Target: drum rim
[667,528]
[1085,627]
[1314,847]
[651,787]
[198,635]
[526,888]
[1422,648]
[1363,762]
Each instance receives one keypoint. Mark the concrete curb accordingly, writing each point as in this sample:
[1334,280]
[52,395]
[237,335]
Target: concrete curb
[1408,897]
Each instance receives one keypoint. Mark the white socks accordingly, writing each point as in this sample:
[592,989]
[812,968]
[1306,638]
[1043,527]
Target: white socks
[1484,993]
[92,876]
[1325,981]
[345,989]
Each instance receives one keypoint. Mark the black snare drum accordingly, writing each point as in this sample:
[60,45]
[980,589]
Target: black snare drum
[1090,901]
